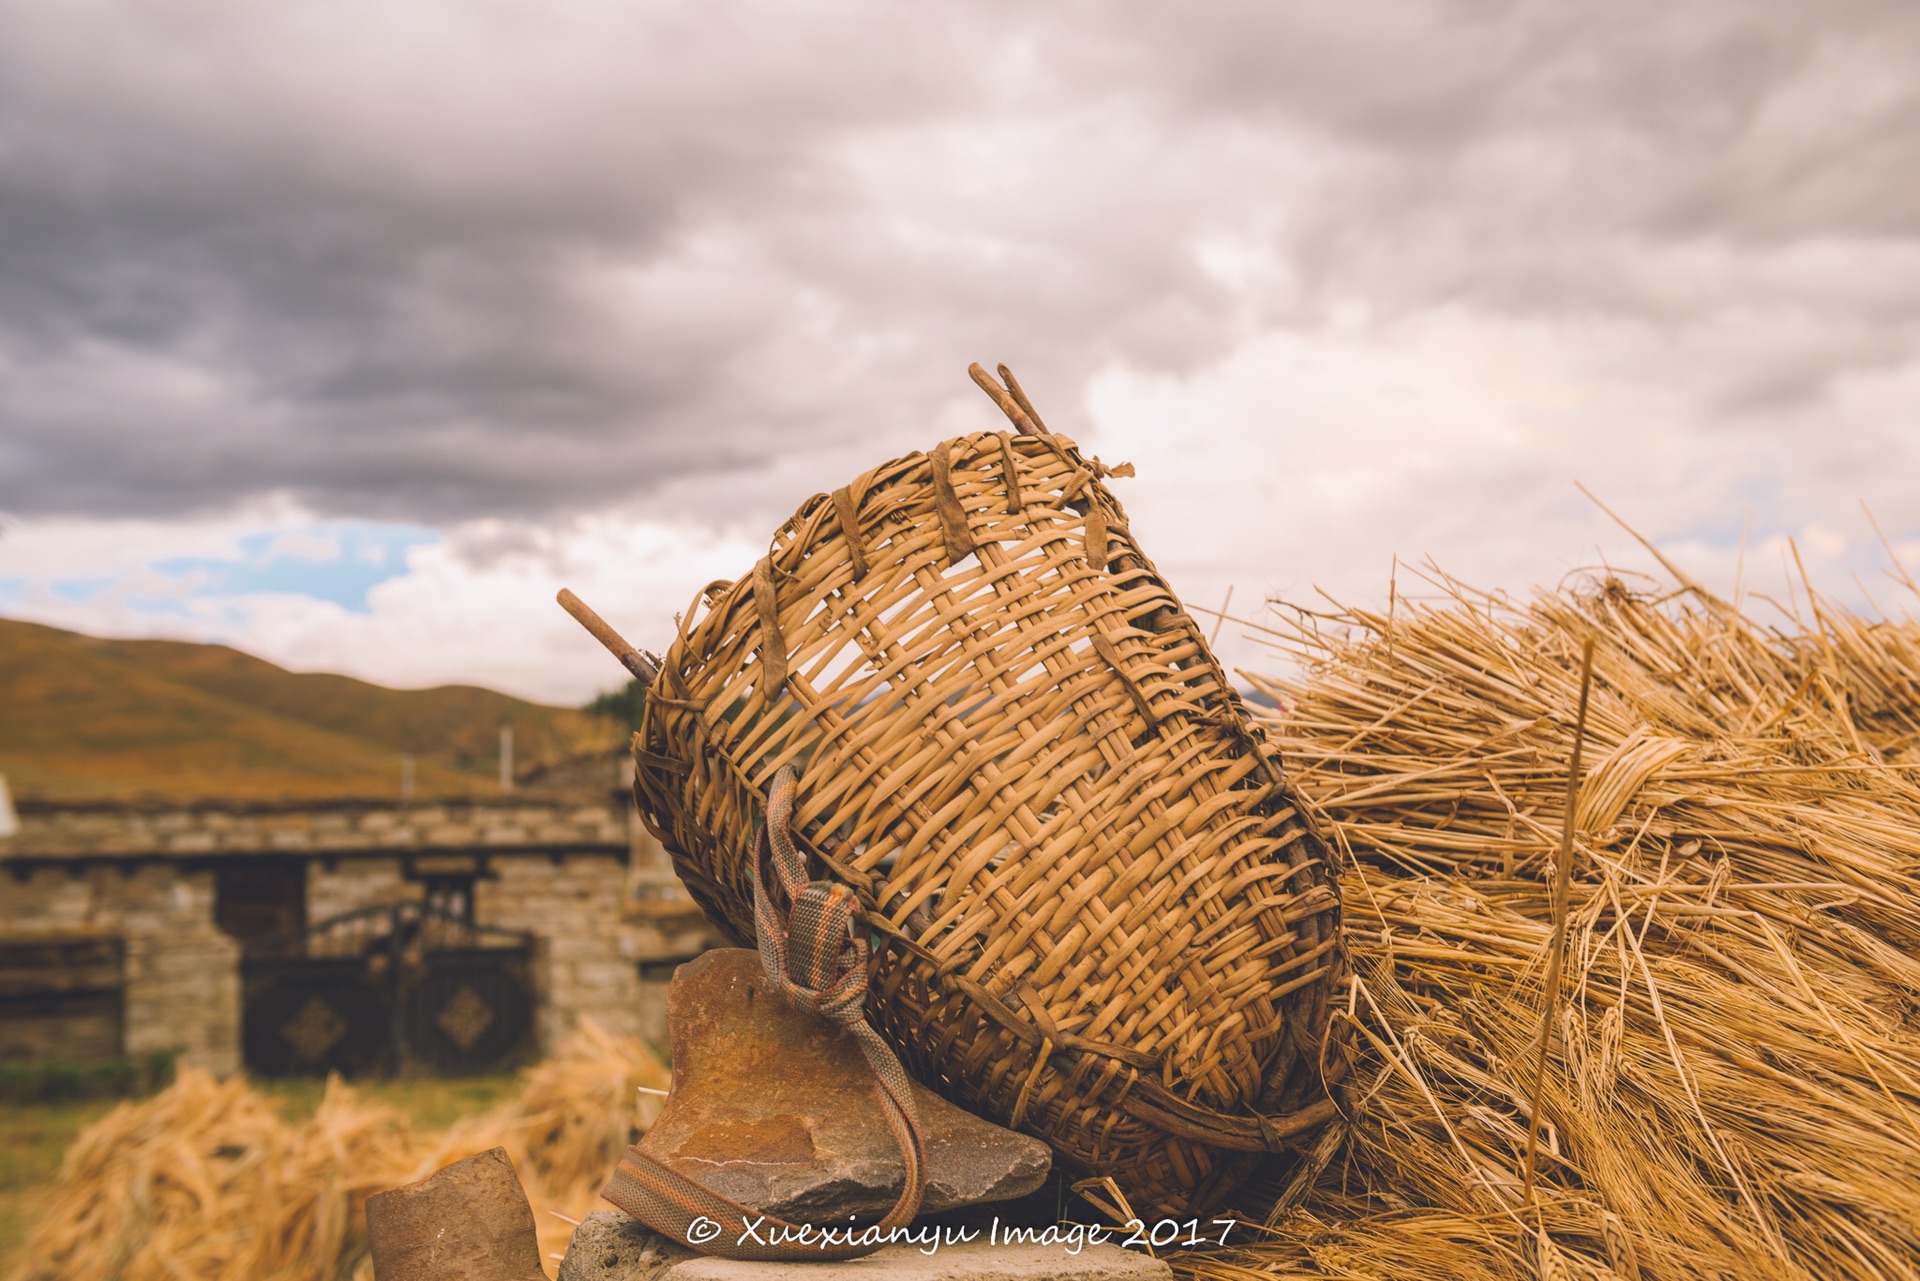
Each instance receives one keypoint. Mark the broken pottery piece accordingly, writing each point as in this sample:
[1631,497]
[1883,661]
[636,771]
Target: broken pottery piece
[468,1221]
[775,1108]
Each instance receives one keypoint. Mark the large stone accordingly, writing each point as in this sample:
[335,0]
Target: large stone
[468,1221]
[609,1246]
[973,1261]
[612,1246]
[775,1108]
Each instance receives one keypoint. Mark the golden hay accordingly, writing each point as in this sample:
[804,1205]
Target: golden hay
[1731,1088]
[1731,1085]
[207,1181]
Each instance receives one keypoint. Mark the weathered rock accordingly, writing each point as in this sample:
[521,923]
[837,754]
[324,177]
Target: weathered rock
[776,1109]
[611,1246]
[469,1221]
[974,1261]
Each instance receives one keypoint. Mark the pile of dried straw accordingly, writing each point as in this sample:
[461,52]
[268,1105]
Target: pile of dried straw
[207,1181]
[1733,1080]
[1732,1083]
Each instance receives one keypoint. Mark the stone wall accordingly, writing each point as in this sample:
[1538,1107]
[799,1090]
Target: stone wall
[338,886]
[560,869]
[571,902]
[367,827]
[182,972]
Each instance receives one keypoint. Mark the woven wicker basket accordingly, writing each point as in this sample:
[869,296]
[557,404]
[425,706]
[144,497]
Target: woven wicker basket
[1100,915]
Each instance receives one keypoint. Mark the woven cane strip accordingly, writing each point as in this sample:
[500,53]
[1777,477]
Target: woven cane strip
[1039,782]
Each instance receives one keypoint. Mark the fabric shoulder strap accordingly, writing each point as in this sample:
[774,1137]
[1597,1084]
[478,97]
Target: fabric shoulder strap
[817,961]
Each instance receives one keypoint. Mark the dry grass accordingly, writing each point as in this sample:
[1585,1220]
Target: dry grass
[207,1181]
[95,720]
[33,1137]
[1732,1091]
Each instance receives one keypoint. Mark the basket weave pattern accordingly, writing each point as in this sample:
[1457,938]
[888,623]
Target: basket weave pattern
[1101,918]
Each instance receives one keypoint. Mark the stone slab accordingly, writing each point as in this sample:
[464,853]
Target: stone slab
[974,1261]
[611,1246]
[468,1221]
[775,1109]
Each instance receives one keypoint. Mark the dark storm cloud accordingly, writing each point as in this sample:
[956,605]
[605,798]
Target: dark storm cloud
[439,268]
[1742,178]
[514,258]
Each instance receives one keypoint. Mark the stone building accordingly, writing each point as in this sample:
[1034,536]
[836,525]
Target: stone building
[277,936]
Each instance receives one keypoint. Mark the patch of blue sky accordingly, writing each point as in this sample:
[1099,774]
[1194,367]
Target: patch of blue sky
[1718,530]
[1755,507]
[158,605]
[12,591]
[337,561]
[78,590]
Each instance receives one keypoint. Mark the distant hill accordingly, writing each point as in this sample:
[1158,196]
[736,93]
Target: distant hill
[82,717]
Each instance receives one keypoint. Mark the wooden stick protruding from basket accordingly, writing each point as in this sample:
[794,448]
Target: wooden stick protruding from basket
[643,666]
[1012,399]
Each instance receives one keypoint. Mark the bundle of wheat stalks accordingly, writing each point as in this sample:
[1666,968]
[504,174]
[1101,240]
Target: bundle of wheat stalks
[206,1180]
[1732,1079]
[1732,1082]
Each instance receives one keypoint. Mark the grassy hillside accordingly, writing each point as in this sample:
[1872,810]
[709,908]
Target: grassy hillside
[82,717]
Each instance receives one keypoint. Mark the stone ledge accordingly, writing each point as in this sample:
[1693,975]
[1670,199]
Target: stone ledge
[973,1261]
[53,833]
[609,1246]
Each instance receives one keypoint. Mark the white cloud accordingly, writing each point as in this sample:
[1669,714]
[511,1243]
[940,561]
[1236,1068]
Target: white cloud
[1346,285]
[476,607]
[1308,464]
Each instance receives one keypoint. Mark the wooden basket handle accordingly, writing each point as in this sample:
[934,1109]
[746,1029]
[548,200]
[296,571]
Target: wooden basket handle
[643,666]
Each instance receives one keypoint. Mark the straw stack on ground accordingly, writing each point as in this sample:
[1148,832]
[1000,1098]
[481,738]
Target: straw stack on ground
[206,1181]
[1730,1085]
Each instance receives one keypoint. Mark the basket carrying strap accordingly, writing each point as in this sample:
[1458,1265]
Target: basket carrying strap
[817,961]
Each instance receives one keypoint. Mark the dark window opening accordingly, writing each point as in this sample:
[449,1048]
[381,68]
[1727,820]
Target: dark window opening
[451,896]
[262,903]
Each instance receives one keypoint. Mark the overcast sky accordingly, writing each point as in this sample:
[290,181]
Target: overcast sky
[347,332]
